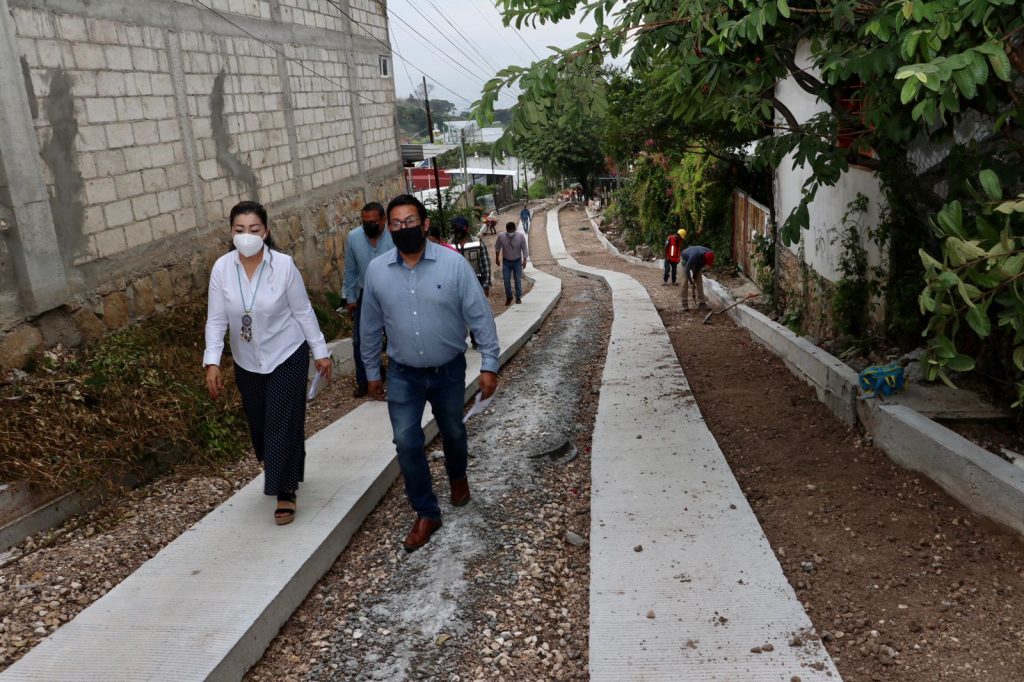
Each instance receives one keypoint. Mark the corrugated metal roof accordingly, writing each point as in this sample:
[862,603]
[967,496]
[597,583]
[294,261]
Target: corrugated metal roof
[419,152]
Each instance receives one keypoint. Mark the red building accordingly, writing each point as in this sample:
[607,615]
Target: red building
[423,178]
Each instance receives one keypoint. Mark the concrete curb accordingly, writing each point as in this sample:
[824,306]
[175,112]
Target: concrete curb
[983,482]
[208,604]
[683,580]
[49,515]
[977,478]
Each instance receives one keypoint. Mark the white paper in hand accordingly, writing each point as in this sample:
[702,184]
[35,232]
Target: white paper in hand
[478,407]
[314,386]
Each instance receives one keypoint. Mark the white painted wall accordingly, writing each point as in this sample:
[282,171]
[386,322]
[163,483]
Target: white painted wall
[822,244]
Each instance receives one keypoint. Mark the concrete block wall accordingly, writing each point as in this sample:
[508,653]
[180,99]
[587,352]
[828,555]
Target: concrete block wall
[153,118]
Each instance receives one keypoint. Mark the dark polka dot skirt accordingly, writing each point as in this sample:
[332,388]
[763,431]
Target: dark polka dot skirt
[275,407]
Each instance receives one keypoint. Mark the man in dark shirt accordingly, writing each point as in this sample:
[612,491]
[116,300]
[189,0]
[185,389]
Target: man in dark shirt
[695,259]
[480,262]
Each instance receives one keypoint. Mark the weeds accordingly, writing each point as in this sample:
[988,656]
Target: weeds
[134,402]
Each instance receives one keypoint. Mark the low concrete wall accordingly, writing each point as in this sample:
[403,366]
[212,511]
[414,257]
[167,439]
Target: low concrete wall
[833,381]
[980,480]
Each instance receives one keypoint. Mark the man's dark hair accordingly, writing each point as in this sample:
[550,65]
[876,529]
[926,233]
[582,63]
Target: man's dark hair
[374,206]
[435,232]
[510,225]
[408,200]
[255,208]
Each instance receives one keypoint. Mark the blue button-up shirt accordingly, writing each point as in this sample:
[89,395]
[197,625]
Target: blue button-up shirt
[425,311]
[358,254]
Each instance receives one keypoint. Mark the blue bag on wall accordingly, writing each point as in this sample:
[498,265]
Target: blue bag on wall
[881,379]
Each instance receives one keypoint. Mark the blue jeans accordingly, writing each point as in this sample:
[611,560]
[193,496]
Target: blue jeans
[509,268]
[526,224]
[409,390]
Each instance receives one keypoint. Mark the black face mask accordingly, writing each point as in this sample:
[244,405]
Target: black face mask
[409,240]
[372,230]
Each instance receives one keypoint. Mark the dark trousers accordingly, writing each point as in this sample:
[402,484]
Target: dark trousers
[275,407]
[674,267]
[357,356]
[409,390]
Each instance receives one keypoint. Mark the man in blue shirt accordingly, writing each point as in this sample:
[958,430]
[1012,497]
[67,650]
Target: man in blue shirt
[695,259]
[423,296]
[524,218]
[365,243]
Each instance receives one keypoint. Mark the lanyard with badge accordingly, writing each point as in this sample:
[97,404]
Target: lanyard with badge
[246,331]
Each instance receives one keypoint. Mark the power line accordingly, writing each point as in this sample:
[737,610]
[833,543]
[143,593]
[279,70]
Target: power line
[499,30]
[518,34]
[411,30]
[291,59]
[442,34]
[397,53]
[414,34]
[472,44]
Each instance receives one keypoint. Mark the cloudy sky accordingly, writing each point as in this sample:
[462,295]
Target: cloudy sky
[459,44]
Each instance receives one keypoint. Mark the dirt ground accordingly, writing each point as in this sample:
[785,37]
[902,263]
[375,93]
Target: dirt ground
[901,581]
[501,591]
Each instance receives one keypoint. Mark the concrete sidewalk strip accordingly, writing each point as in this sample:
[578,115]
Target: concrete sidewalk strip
[684,583]
[208,604]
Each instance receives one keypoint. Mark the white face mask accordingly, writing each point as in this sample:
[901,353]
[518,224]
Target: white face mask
[248,244]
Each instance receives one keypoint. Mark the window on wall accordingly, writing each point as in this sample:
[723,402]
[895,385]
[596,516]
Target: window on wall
[385,67]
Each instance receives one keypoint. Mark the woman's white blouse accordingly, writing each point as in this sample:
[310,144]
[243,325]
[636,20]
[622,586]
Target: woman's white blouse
[282,316]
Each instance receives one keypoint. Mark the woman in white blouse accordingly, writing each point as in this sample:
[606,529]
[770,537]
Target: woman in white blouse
[257,294]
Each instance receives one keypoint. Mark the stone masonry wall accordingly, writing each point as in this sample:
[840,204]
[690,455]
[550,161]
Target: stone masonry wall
[154,117]
[801,289]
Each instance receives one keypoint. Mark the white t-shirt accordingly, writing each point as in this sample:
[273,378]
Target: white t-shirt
[282,316]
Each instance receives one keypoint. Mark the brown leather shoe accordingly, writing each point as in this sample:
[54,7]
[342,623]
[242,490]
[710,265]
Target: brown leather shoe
[460,492]
[420,533]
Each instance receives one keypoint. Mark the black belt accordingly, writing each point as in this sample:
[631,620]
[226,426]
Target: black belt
[392,363]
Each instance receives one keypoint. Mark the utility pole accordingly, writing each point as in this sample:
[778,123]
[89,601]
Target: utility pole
[465,168]
[433,161]
[526,183]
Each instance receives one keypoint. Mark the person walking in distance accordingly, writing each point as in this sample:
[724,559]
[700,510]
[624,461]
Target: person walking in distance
[673,251]
[511,253]
[423,296]
[258,296]
[365,243]
[695,259]
[524,218]
[480,263]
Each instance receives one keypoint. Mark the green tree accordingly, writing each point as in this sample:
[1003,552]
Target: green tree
[894,75]
[562,139]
